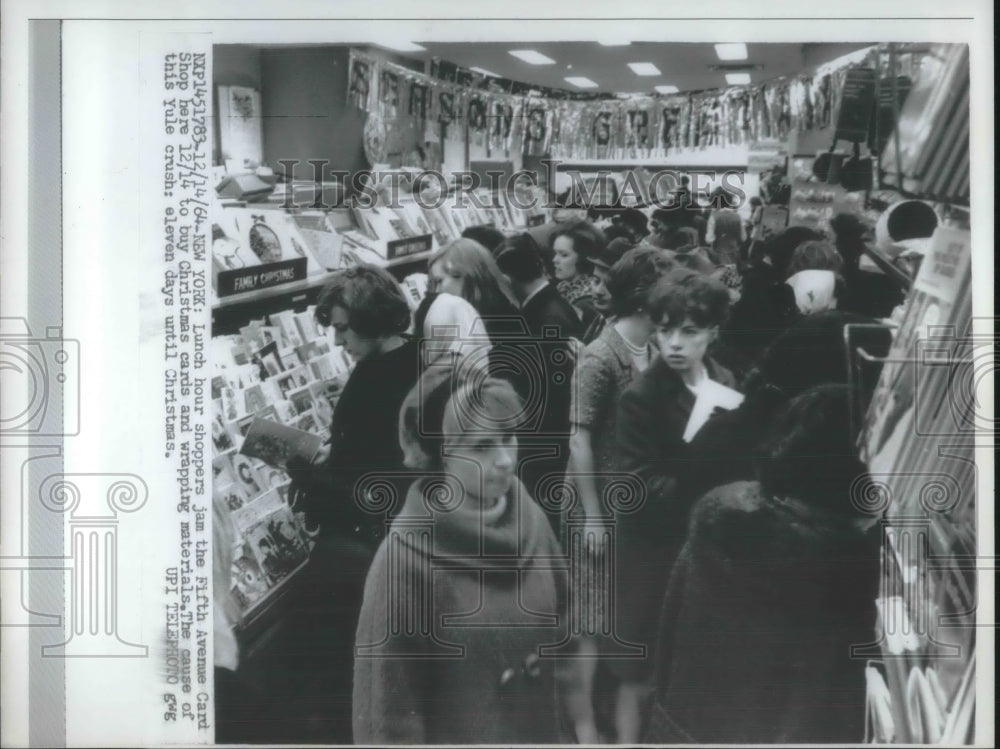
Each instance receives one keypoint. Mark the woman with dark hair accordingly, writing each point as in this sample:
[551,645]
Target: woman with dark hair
[488,236]
[575,244]
[471,673]
[606,368]
[810,353]
[774,585]
[368,315]
[686,309]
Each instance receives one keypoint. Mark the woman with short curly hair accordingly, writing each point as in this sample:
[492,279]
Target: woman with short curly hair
[686,309]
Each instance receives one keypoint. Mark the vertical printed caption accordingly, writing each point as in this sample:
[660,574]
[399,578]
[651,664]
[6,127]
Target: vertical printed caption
[186,120]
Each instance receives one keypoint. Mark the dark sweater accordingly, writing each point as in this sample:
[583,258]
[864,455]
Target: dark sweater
[364,441]
[766,598]
[452,624]
[652,415]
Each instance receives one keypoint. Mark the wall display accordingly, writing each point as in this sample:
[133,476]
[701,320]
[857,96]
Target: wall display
[924,405]
[928,152]
[258,417]
[240,129]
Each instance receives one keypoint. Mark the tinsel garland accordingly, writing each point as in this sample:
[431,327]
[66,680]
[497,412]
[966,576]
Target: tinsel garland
[506,117]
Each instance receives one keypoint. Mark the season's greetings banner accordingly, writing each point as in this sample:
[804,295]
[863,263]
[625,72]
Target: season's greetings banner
[506,117]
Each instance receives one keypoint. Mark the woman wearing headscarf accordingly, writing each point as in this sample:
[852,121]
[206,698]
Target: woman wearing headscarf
[461,596]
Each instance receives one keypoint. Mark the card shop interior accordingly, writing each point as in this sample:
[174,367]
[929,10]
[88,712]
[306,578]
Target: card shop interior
[584,392]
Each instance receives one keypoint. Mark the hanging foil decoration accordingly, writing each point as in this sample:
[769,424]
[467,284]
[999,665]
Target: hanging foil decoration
[601,130]
[418,101]
[477,114]
[761,120]
[388,93]
[824,102]
[359,82]
[637,129]
[670,126]
[535,128]
[513,142]
[375,139]
[784,111]
[501,121]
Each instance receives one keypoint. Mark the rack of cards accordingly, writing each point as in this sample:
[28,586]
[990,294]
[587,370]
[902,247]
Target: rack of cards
[275,386]
[919,444]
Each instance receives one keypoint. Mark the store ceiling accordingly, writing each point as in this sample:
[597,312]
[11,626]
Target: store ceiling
[688,66]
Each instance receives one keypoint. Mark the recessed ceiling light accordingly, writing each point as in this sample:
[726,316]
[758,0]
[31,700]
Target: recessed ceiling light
[644,68]
[737,79]
[613,43]
[484,71]
[736,51]
[667,89]
[532,57]
[403,46]
[580,82]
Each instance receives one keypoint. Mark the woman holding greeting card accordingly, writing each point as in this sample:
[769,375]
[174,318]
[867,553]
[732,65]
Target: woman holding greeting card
[368,315]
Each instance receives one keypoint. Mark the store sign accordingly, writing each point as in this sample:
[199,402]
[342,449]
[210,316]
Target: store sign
[856,103]
[231,282]
[764,155]
[409,246]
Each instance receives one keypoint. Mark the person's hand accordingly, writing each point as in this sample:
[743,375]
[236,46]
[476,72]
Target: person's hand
[322,455]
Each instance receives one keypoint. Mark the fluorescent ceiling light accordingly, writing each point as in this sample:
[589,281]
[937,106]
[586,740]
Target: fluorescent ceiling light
[737,79]
[736,51]
[532,57]
[483,71]
[613,43]
[580,82]
[403,46]
[644,68]
[666,89]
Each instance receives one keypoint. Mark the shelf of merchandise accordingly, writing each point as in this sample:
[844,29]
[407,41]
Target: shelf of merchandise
[231,312]
[919,445]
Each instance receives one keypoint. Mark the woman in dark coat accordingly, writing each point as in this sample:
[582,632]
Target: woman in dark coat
[369,316]
[686,307]
[812,352]
[775,583]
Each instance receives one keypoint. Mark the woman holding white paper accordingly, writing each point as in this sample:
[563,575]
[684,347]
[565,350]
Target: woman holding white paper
[654,414]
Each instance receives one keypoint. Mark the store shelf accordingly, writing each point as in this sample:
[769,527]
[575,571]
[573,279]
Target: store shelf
[231,312]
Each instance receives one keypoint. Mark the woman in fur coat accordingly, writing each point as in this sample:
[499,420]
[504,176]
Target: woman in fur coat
[776,582]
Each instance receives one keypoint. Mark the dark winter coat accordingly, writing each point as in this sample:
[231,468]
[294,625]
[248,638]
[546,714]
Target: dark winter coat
[765,601]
